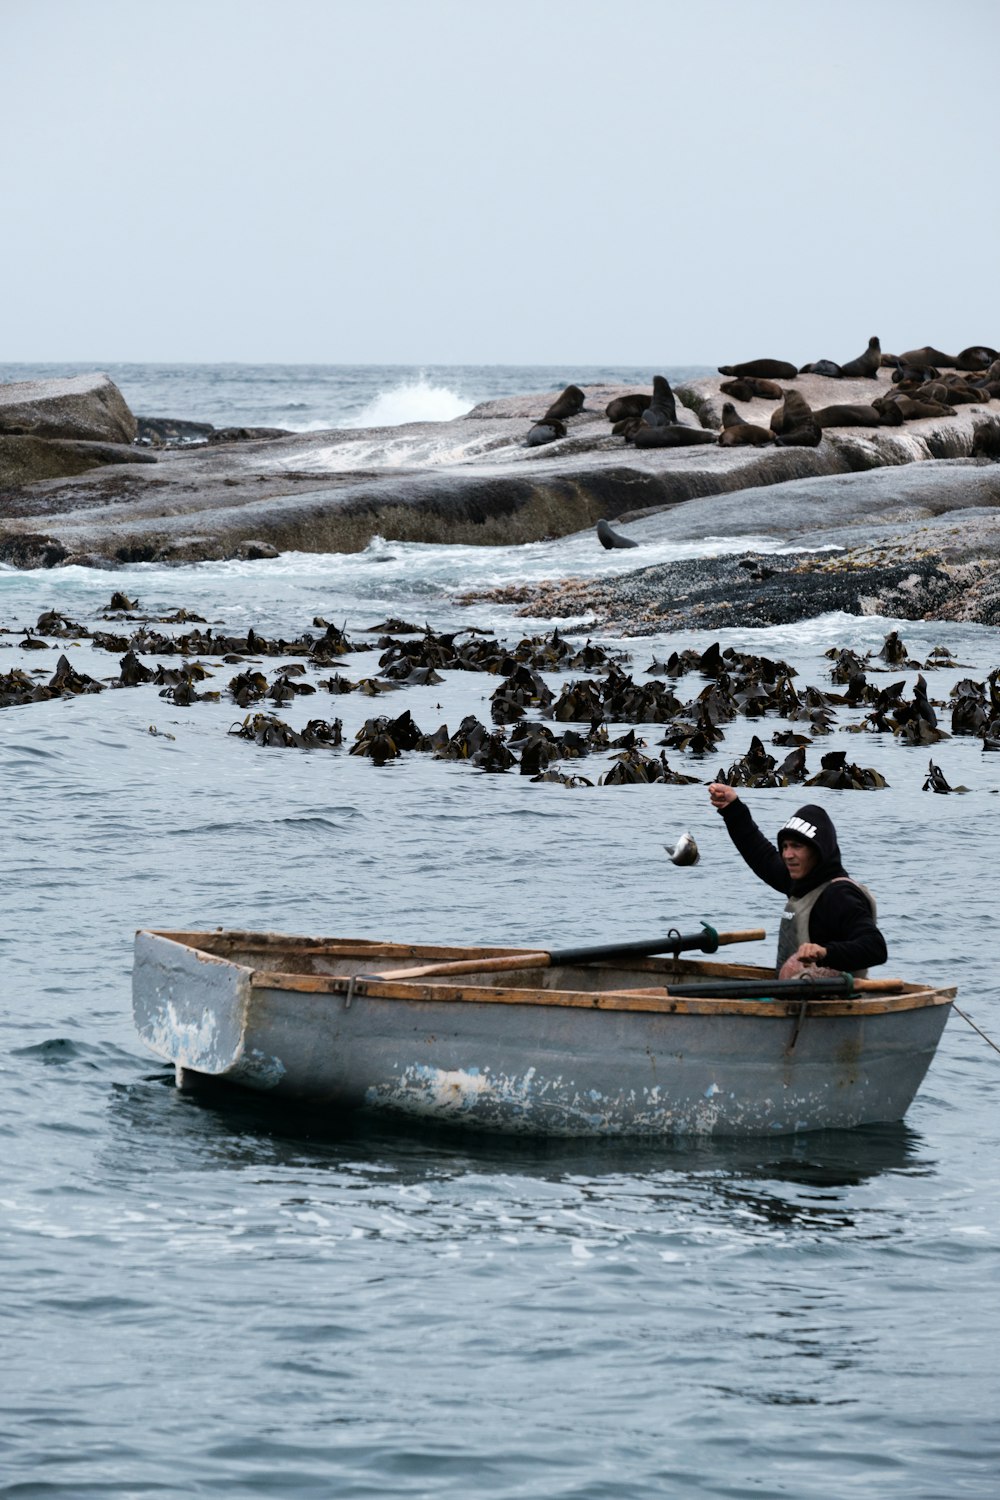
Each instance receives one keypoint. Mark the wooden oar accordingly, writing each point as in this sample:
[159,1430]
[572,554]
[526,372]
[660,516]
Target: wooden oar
[706,941]
[778,989]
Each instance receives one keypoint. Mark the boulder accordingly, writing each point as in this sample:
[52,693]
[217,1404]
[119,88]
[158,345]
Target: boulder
[24,460]
[90,407]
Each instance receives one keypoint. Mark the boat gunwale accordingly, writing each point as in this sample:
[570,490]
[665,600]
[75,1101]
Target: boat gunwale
[913,997]
[656,999]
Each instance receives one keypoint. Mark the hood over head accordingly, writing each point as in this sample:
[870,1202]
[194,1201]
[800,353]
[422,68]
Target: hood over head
[812,825]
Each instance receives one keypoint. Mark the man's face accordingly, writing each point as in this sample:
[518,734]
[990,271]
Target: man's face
[799,858]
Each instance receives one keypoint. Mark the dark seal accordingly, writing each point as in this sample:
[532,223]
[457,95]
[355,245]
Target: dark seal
[850,415]
[673,436]
[744,435]
[767,369]
[825,367]
[622,407]
[609,538]
[747,388]
[545,431]
[567,405]
[867,365]
[794,411]
[662,410]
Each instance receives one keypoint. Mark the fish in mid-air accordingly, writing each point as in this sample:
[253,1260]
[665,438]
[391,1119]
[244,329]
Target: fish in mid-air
[685,851]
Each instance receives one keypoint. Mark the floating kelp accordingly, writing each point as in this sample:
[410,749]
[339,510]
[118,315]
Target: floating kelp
[940,657]
[391,626]
[337,684]
[893,651]
[132,671]
[562,780]
[333,642]
[263,729]
[675,778]
[405,675]
[207,643]
[975,704]
[847,664]
[16,687]
[247,687]
[754,769]
[631,702]
[522,690]
[181,617]
[538,749]
[474,742]
[68,682]
[50,622]
[936,781]
[631,767]
[285,688]
[184,693]
[384,739]
[790,737]
[577,701]
[695,738]
[713,661]
[589,658]
[840,776]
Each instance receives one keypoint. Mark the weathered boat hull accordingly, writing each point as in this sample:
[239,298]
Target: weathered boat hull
[573,1055]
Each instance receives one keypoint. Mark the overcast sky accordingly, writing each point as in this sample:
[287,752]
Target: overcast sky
[652,182]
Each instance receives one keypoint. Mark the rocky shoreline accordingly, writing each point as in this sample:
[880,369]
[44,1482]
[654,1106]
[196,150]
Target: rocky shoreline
[759,589]
[914,510]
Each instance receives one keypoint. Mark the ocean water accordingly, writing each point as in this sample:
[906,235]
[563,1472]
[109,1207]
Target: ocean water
[203,1300]
[312,398]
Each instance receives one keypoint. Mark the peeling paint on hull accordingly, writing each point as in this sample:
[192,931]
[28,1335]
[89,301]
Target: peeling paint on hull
[530,1069]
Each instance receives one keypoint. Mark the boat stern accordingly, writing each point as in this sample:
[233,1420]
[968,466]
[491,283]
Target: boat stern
[190,1007]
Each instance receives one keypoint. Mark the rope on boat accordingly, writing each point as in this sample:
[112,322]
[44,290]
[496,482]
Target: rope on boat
[972,1023]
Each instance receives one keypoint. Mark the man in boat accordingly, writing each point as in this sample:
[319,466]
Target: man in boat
[828,923]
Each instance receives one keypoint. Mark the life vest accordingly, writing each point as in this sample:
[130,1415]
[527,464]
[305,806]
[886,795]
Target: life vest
[794,929]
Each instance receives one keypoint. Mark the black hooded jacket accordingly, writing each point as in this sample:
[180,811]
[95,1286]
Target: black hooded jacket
[841,921]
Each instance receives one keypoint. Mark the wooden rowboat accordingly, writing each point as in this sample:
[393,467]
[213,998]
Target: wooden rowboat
[491,1039]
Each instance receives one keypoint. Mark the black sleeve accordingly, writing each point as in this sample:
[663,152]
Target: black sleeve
[759,853]
[842,923]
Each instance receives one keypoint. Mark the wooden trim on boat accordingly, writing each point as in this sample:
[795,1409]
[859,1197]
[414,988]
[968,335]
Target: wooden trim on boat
[911,997]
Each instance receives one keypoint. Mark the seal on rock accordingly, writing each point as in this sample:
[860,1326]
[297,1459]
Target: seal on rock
[566,405]
[977,357]
[866,365]
[767,369]
[809,435]
[746,388]
[913,408]
[609,538]
[662,409]
[825,367]
[850,415]
[673,436]
[926,355]
[545,431]
[949,391]
[739,434]
[622,407]
[794,411]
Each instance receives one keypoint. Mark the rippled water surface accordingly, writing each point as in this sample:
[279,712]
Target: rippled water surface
[205,1301]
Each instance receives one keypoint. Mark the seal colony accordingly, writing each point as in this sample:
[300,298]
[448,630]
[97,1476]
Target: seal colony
[512,470]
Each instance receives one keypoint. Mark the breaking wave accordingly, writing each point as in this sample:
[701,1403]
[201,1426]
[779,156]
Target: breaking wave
[411,401]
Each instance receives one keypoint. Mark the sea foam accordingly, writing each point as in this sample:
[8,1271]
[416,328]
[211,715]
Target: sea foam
[411,401]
